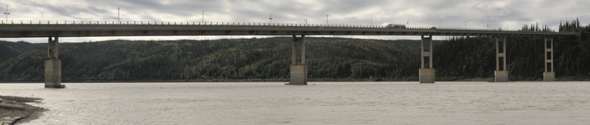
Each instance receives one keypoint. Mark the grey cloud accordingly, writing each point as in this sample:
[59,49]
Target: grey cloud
[451,13]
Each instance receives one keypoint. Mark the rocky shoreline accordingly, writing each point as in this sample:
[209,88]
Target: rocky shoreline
[15,110]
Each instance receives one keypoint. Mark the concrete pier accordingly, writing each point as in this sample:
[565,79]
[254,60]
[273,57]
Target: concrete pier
[549,74]
[426,73]
[501,74]
[298,70]
[53,65]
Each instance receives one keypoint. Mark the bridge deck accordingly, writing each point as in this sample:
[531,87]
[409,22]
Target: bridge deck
[90,30]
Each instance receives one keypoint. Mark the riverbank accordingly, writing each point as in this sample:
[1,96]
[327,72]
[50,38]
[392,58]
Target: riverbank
[16,109]
[439,79]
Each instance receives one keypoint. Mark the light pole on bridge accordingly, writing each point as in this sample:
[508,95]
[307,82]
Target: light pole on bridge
[203,16]
[327,19]
[119,15]
[6,12]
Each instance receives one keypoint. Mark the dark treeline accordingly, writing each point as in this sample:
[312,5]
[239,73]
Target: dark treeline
[236,59]
[268,59]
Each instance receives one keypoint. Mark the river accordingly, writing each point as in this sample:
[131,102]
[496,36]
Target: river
[320,103]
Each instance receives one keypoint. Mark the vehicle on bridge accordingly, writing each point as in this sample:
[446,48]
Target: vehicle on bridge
[395,26]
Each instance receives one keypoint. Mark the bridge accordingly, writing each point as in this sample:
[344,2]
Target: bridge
[298,69]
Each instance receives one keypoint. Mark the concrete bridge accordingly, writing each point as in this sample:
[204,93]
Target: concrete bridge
[298,69]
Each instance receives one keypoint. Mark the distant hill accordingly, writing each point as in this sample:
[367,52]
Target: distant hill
[268,59]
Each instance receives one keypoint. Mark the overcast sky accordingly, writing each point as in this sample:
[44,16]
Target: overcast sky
[505,14]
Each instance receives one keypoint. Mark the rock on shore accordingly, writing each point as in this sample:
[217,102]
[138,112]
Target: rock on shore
[16,109]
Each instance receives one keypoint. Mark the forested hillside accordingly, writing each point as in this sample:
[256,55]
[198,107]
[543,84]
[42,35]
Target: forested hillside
[236,59]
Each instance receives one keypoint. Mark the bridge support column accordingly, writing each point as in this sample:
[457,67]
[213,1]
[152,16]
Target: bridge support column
[53,65]
[501,74]
[549,74]
[426,72]
[298,70]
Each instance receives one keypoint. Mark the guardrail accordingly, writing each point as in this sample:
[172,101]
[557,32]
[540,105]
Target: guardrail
[80,28]
[192,23]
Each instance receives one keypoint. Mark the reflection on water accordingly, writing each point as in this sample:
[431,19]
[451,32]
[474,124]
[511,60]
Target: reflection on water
[317,104]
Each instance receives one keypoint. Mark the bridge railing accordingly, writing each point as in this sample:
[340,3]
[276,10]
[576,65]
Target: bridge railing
[354,27]
[193,23]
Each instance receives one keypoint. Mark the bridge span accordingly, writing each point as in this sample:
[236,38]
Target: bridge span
[298,68]
[191,29]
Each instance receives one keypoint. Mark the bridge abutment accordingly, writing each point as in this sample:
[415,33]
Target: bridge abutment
[501,73]
[53,65]
[426,73]
[298,69]
[549,74]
